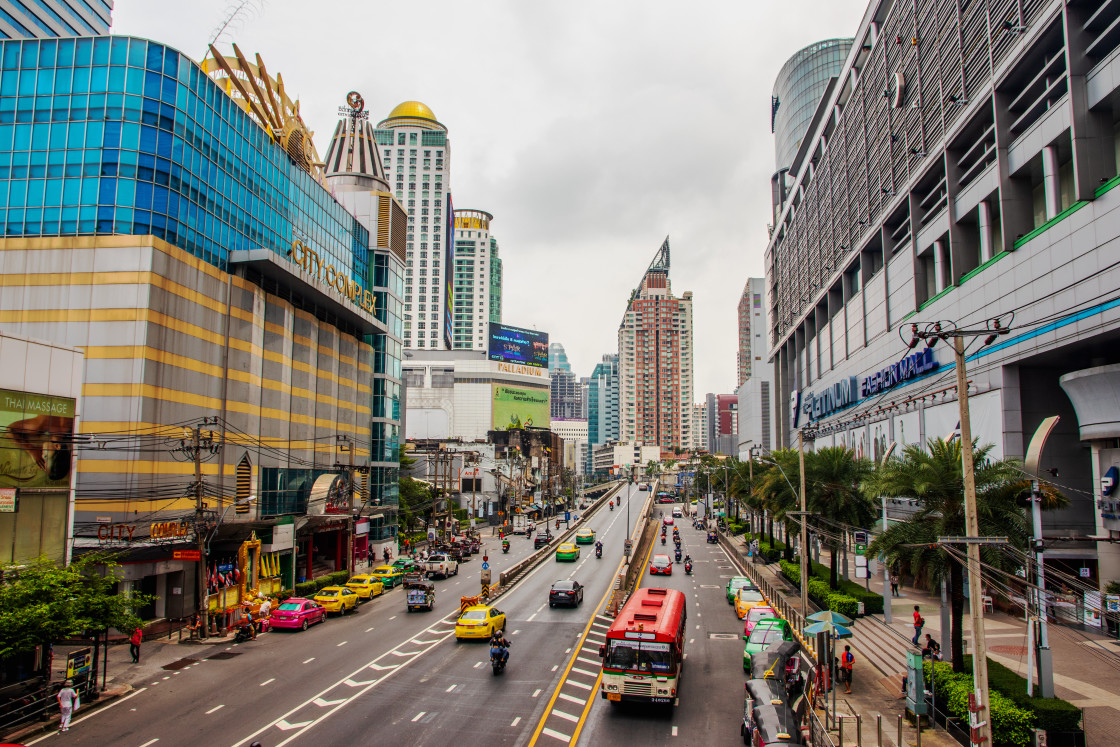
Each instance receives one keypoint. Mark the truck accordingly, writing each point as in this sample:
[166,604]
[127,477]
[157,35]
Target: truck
[440,566]
[520,523]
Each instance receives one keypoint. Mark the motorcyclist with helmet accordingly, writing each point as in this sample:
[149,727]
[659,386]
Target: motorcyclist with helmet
[499,646]
[598,549]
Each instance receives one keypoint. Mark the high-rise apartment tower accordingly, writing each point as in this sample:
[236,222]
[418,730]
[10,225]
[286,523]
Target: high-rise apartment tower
[43,19]
[476,282]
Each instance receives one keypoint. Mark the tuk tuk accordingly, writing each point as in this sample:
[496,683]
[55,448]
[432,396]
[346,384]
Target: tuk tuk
[713,538]
[773,662]
[420,593]
[765,725]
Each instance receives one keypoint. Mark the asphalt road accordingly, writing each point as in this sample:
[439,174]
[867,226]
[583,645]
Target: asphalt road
[387,675]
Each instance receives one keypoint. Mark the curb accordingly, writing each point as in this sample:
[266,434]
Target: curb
[51,724]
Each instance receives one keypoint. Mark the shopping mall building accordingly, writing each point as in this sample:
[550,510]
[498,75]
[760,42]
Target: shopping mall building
[962,169]
[173,221]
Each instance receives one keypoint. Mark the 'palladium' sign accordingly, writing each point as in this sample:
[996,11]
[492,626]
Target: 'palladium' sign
[313,265]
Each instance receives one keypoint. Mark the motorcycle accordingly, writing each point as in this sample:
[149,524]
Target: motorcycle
[599,551]
[678,555]
[611,505]
[243,633]
[505,545]
[663,539]
[498,657]
[688,568]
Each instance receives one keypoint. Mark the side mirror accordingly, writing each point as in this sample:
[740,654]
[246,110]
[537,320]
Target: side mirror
[603,651]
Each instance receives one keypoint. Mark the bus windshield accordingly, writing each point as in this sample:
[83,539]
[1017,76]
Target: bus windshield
[640,656]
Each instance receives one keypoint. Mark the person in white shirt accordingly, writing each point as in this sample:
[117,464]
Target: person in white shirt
[67,704]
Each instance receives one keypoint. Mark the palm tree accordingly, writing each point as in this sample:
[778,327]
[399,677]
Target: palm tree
[775,491]
[934,477]
[834,481]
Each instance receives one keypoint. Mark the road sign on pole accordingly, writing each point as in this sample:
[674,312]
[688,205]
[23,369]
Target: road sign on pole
[485,566]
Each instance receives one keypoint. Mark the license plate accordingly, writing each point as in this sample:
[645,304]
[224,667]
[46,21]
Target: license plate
[659,700]
[614,696]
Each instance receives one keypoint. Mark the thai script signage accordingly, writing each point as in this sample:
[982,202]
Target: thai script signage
[897,373]
[321,272]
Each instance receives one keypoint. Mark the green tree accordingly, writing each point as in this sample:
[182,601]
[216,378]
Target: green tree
[935,478]
[776,491]
[41,602]
[834,478]
[415,496]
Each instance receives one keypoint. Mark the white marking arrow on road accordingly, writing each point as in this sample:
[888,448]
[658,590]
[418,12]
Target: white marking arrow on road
[380,667]
[352,683]
[405,653]
[324,703]
[283,725]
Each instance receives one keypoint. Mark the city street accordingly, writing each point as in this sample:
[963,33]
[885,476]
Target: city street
[404,677]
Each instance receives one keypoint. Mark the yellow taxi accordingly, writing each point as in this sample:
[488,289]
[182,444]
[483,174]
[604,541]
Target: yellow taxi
[479,621]
[337,599]
[745,599]
[388,575]
[366,586]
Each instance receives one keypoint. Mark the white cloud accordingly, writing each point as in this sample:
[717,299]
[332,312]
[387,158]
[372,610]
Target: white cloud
[590,130]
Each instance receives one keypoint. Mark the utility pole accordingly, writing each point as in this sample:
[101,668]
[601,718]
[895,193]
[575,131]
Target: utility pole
[888,594]
[804,531]
[200,536]
[983,726]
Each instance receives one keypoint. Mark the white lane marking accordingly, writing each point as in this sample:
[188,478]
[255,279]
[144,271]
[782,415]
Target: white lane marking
[557,735]
[284,725]
[516,721]
[325,703]
[343,643]
[555,667]
[573,698]
[167,677]
[691,641]
[150,741]
[530,618]
[156,682]
[477,665]
[516,632]
[685,656]
[380,667]
[566,716]
[308,661]
[450,689]
[674,731]
[270,679]
[394,617]
[578,684]
[418,716]
[589,661]
[600,625]
[584,671]
[568,650]
[369,630]
[404,653]
[355,683]
[419,642]
[218,707]
[536,693]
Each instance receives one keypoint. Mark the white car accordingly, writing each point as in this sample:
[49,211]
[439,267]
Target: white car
[677,513]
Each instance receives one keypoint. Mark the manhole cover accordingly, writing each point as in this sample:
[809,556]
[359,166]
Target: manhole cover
[1009,650]
[724,567]
[180,664]
[723,636]
[224,655]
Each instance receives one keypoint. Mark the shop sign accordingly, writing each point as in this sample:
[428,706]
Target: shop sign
[225,567]
[841,394]
[515,368]
[1109,509]
[1108,482]
[9,501]
[361,527]
[169,529]
[898,373]
[321,272]
[194,555]
[115,532]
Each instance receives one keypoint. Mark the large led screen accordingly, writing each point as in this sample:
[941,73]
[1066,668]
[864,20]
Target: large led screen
[515,345]
[520,408]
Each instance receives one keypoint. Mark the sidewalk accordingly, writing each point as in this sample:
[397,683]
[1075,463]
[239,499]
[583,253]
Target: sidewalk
[876,685]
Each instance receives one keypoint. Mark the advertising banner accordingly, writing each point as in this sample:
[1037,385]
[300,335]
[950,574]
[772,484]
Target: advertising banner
[520,408]
[36,440]
[516,345]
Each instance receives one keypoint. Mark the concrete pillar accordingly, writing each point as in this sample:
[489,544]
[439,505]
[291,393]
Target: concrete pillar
[984,213]
[1050,181]
[938,267]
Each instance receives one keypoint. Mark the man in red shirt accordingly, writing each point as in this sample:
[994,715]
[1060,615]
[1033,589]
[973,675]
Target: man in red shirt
[919,623]
[847,661]
[134,645]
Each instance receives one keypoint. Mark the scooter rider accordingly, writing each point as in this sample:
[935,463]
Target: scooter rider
[500,642]
[598,549]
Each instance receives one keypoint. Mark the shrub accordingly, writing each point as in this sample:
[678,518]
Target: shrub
[792,571]
[1052,714]
[306,588]
[1011,724]
[843,604]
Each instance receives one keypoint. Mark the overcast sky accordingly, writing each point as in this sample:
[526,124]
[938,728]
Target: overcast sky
[590,130]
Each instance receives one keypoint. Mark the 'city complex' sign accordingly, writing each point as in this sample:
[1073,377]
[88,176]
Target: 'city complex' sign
[847,391]
[313,265]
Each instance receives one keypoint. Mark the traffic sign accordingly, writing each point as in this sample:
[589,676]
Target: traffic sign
[486,590]
[485,566]
[186,555]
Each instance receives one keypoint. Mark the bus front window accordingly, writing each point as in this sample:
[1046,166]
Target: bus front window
[644,656]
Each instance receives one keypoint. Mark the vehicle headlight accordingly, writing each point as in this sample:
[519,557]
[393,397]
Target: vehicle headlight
[612,688]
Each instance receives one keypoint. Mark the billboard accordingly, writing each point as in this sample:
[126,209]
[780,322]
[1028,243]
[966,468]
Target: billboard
[515,345]
[36,440]
[519,407]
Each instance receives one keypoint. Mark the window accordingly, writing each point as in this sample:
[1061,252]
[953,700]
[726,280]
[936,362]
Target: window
[412,138]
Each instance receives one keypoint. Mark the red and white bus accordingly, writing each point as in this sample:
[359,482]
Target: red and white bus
[644,651]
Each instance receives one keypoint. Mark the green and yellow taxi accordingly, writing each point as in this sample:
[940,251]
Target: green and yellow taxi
[762,635]
[406,565]
[585,536]
[388,575]
[567,551]
[479,621]
[366,586]
[337,599]
[734,584]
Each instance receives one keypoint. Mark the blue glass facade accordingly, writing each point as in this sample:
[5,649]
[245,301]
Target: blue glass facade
[124,136]
[798,89]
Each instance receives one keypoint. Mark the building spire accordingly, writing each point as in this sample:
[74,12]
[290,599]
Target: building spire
[353,150]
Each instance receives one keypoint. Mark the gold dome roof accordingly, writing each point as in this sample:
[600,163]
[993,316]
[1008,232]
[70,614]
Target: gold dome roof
[413,109]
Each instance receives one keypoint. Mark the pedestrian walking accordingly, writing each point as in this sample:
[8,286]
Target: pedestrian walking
[919,623]
[385,555]
[134,645]
[894,584]
[67,704]
[847,661]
